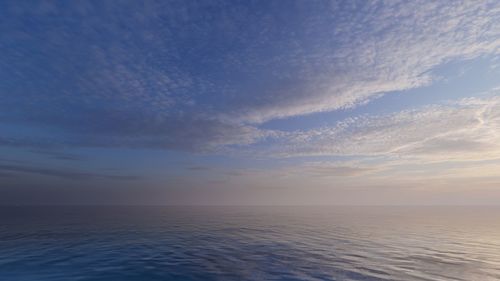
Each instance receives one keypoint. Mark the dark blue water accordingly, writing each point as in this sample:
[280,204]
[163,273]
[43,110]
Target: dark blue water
[258,243]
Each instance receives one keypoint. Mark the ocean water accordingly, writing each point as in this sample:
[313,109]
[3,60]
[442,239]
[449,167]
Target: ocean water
[249,243]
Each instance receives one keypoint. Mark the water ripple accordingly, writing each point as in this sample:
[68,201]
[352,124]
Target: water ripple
[373,244]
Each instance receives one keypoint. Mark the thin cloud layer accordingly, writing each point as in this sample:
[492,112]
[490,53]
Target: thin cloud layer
[60,174]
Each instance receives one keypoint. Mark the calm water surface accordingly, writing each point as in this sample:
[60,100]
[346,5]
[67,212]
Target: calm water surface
[258,243]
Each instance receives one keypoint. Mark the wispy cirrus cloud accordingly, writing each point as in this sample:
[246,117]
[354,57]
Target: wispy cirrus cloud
[328,170]
[464,130]
[368,48]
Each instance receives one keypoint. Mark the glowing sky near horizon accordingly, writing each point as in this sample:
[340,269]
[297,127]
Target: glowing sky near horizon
[250,102]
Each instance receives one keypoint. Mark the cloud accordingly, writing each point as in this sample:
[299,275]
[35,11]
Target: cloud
[201,76]
[59,155]
[181,134]
[463,130]
[325,170]
[358,52]
[61,173]
[5,175]
[198,168]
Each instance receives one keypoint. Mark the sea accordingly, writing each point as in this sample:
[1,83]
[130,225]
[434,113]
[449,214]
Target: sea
[249,243]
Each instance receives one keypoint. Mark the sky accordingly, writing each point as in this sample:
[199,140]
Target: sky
[250,102]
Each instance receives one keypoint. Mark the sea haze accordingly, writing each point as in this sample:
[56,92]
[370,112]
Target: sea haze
[250,243]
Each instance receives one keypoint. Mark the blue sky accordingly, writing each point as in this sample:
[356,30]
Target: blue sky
[252,102]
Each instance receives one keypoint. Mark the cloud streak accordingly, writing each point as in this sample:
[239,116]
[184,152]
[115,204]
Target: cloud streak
[463,130]
[60,173]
